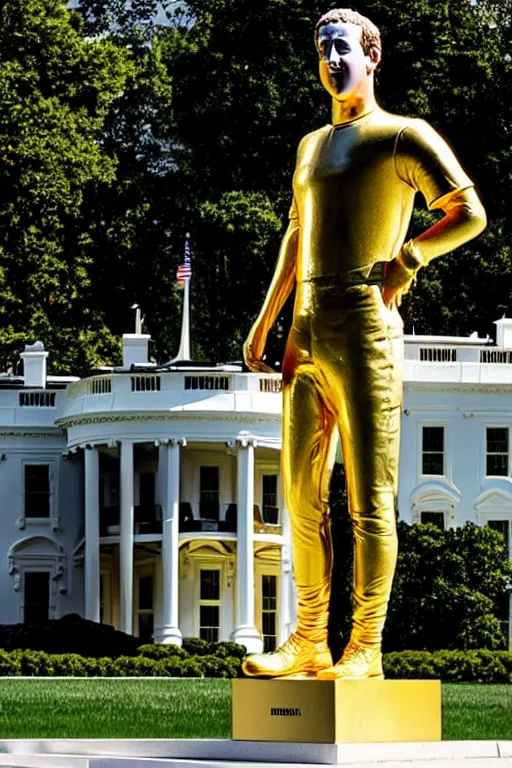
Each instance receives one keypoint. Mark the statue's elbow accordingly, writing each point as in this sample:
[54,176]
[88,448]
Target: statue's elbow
[479,217]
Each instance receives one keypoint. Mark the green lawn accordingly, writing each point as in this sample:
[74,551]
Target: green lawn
[157,708]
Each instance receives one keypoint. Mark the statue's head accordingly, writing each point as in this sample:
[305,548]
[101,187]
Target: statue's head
[350,50]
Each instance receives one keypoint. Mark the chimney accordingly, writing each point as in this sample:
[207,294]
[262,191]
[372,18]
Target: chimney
[34,365]
[135,348]
[504,332]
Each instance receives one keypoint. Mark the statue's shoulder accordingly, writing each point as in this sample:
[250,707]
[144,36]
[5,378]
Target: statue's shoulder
[415,126]
[315,137]
[389,122]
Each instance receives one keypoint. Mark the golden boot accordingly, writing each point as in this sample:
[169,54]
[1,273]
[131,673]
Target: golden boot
[297,656]
[357,663]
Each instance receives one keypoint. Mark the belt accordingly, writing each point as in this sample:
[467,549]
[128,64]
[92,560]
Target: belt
[368,275]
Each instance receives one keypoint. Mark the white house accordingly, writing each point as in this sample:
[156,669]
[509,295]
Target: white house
[150,498]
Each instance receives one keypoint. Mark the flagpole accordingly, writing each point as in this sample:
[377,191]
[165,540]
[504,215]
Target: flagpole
[184,350]
[184,276]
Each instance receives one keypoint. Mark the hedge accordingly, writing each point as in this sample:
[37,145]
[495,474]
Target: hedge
[481,666]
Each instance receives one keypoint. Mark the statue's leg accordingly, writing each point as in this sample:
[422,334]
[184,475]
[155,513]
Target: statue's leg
[364,358]
[306,461]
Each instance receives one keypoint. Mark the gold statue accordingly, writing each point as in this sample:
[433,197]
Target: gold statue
[344,252]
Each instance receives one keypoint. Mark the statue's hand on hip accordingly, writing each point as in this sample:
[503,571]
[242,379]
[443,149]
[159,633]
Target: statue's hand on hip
[398,280]
[254,349]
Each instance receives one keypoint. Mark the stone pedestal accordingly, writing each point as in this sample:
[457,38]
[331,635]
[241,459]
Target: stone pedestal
[337,711]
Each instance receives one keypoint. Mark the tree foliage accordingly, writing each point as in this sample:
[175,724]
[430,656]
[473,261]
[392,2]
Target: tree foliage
[449,586]
[118,134]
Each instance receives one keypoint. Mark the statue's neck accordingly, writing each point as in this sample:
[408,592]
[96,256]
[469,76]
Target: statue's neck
[356,106]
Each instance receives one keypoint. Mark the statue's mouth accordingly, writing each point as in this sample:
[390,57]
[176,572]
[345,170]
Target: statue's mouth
[338,78]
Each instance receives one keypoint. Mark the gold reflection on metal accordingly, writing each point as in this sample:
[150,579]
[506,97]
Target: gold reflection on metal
[314,712]
[344,253]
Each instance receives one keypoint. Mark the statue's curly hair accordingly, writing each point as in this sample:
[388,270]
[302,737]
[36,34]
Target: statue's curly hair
[371,35]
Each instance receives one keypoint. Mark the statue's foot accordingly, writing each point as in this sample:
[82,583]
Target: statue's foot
[357,663]
[297,657]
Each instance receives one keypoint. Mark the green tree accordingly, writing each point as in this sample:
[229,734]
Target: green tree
[56,90]
[449,588]
[213,110]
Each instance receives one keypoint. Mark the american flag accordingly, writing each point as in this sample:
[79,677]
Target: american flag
[185,270]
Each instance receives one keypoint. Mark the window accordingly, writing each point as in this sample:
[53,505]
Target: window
[36,597]
[269,497]
[209,493]
[37,490]
[269,612]
[434,518]
[497,451]
[147,490]
[505,528]
[209,605]
[432,454]
[102,598]
[145,609]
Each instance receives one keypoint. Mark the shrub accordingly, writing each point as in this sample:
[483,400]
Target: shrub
[10,663]
[69,665]
[36,663]
[197,647]
[176,667]
[481,666]
[159,652]
[226,649]
[70,634]
[138,666]
[213,666]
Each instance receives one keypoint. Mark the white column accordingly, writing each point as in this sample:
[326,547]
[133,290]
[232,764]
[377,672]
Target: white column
[169,456]
[126,539]
[245,631]
[92,534]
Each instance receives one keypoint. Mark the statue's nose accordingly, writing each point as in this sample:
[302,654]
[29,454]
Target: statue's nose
[334,58]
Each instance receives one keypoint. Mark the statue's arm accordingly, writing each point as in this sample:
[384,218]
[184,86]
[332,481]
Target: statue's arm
[464,218]
[427,164]
[280,288]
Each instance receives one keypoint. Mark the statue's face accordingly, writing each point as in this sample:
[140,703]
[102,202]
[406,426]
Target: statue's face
[343,64]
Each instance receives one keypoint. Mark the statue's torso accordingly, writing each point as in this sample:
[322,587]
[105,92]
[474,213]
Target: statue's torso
[353,207]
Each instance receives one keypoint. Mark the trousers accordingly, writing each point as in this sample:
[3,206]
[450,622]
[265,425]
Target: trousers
[342,369]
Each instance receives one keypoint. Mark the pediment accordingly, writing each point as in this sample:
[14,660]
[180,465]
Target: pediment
[494,497]
[435,493]
[36,546]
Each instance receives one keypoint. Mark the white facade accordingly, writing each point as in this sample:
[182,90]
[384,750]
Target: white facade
[151,499]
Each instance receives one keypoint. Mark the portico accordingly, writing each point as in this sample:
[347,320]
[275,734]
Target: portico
[237,520]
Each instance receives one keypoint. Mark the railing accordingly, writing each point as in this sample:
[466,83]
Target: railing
[271,384]
[148,382]
[438,354]
[144,383]
[147,519]
[208,382]
[37,399]
[500,356]
[95,385]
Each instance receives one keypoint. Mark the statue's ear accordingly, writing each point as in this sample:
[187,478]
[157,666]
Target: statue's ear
[373,56]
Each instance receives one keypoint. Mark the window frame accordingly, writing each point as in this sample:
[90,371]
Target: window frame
[53,520]
[441,512]
[422,452]
[144,573]
[487,426]
[218,467]
[275,611]
[264,474]
[447,459]
[205,565]
[267,568]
